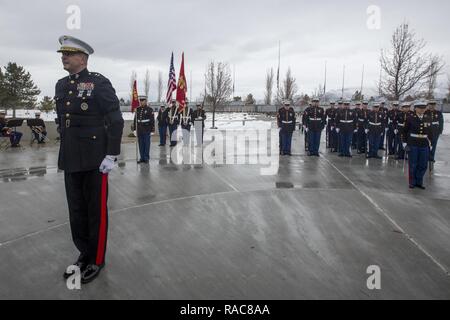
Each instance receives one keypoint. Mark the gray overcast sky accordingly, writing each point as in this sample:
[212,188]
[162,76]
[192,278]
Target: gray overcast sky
[136,35]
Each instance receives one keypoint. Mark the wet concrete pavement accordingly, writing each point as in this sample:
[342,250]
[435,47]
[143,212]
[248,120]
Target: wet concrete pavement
[227,232]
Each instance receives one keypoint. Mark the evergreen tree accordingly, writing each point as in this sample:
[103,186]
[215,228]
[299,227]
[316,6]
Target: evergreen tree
[17,88]
[47,105]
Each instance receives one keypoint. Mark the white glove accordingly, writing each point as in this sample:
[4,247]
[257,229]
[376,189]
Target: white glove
[107,164]
[337,130]
[386,129]
[355,131]
[366,131]
[332,128]
[395,131]
[404,145]
[306,129]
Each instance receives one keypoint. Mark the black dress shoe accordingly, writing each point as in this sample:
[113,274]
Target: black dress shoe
[140,161]
[90,273]
[340,155]
[378,157]
[80,264]
[411,186]
[420,186]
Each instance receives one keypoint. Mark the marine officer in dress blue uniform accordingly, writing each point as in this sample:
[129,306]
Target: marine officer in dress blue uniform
[416,138]
[346,126]
[402,116]
[314,120]
[376,124]
[90,125]
[437,126]
[286,116]
[144,124]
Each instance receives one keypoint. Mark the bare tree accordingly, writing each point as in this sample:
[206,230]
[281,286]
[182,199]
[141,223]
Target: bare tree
[269,87]
[448,85]
[436,66]
[147,83]
[160,86]
[288,88]
[219,85]
[406,66]
[318,92]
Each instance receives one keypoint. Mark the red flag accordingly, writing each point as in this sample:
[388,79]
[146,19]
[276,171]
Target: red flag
[181,87]
[135,99]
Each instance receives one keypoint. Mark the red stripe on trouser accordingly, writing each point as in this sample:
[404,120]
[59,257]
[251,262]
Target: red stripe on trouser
[102,229]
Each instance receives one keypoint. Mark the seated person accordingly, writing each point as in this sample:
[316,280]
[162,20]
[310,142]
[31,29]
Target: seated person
[14,136]
[39,132]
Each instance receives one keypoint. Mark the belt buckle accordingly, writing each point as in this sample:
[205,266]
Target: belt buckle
[67,123]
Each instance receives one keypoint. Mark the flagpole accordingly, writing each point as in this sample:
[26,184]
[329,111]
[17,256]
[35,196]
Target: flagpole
[278,71]
[343,82]
[379,83]
[325,83]
[362,83]
[190,86]
[135,119]
[234,78]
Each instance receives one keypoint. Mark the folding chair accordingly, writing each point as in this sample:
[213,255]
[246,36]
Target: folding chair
[4,142]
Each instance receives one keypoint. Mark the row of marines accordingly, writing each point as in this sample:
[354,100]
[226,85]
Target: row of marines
[414,131]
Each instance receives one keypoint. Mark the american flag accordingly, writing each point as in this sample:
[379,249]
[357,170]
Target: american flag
[172,83]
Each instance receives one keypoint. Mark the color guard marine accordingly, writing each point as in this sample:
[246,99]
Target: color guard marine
[173,120]
[361,125]
[314,120]
[402,116]
[416,138]
[198,119]
[376,124]
[345,127]
[357,109]
[286,123]
[186,123]
[330,115]
[384,110]
[162,125]
[437,126]
[393,139]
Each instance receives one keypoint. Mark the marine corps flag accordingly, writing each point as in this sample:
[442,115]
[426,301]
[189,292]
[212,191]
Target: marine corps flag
[181,87]
[135,100]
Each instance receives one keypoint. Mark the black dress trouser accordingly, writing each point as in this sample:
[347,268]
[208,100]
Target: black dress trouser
[87,196]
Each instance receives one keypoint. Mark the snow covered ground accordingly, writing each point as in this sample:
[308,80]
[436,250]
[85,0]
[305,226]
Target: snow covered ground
[223,120]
